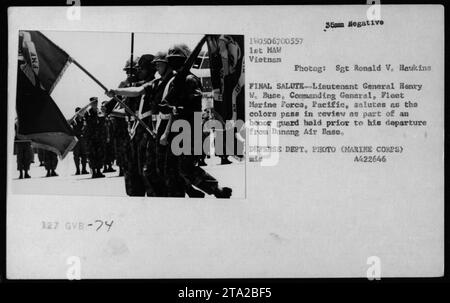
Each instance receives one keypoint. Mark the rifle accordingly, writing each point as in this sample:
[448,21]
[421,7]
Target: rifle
[80,112]
[171,98]
[131,78]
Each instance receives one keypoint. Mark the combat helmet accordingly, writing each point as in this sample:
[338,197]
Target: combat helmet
[177,55]
[146,62]
[179,50]
[128,65]
[160,57]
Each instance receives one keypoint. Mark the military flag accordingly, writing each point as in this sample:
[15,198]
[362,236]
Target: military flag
[46,59]
[40,66]
[226,58]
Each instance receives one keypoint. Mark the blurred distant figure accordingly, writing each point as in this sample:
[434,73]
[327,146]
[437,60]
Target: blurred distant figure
[121,140]
[40,153]
[80,151]
[50,163]
[108,156]
[95,138]
[222,154]
[206,115]
[25,155]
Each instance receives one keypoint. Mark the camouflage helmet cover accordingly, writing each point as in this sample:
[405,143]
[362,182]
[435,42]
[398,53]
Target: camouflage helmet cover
[145,61]
[160,57]
[179,50]
[128,66]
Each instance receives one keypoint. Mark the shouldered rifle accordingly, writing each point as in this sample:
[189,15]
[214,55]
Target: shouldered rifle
[171,98]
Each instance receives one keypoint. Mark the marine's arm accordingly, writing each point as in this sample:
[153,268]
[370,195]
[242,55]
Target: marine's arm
[165,136]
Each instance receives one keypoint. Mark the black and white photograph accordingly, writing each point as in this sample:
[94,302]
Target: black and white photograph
[225,142]
[170,123]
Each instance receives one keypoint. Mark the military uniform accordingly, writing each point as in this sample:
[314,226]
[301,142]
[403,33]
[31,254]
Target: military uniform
[166,168]
[154,169]
[122,122]
[188,101]
[121,142]
[206,140]
[108,145]
[95,136]
[40,153]
[25,155]
[126,149]
[50,163]
[221,149]
[134,148]
[141,141]
[80,151]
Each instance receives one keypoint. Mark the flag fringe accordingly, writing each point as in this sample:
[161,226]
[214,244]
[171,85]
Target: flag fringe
[70,147]
[49,147]
[46,147]
[63,70]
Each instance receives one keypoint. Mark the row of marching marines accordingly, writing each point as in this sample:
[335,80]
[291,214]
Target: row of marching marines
[141,142]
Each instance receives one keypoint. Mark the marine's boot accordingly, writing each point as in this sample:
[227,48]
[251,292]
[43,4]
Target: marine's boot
[83,170]
[223,192]
[194,193]
[99,174]
[224,161]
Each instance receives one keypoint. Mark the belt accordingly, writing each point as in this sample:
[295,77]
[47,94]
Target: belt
[164,116]
[141,116]
[145,115]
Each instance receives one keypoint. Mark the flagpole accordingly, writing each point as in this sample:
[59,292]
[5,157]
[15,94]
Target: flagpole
[132,52]
[127,109]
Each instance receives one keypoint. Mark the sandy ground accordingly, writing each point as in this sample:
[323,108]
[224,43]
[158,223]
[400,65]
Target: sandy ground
[67,183]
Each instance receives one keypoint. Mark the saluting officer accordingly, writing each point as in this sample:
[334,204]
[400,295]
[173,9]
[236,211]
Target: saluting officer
[121,119]
[135,182]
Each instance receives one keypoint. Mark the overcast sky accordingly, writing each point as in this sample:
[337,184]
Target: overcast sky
[104,55]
